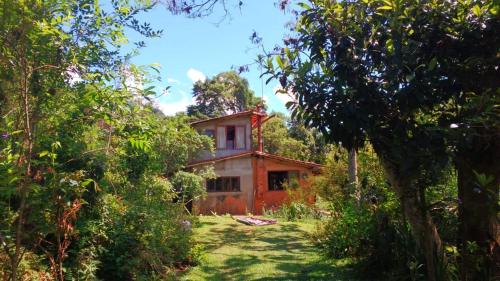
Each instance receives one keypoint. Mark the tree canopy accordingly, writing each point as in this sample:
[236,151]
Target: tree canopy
[225,93]
[398,74]
[291,139]
[85,163]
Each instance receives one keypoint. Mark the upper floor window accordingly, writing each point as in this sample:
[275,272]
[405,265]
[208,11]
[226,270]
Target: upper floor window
[231,137]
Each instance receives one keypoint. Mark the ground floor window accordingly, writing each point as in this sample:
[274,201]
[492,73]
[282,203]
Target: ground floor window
[223,184]
[278,180]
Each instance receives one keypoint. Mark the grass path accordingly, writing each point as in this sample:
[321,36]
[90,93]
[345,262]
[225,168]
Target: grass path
[234,251]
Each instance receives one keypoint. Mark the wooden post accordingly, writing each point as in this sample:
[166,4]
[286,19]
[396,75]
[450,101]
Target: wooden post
[260,147]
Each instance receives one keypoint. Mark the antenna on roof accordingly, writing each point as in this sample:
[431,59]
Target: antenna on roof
[261,87]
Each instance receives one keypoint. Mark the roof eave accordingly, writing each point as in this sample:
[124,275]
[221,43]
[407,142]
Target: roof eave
[214,160]
[239,114]
[286,159]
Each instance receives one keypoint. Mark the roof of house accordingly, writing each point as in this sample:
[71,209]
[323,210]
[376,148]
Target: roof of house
[213,160]
[239,114]
[286,159]
[258,154]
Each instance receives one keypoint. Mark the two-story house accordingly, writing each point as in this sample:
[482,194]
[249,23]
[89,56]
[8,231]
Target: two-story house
[248,179]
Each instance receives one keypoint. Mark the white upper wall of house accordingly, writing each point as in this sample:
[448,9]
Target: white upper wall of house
[231,136]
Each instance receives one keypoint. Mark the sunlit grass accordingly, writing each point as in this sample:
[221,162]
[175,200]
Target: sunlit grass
[234,251]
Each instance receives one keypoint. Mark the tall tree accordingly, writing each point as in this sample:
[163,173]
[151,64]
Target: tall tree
[225,93]
[278,140]
[58,60]
[312,138]
[394,73]
[45,46]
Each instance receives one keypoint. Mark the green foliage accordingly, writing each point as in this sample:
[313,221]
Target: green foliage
[419,81]
[292,139]
[375,231]
[371,234]
[347,235]
[85,160]
[372,231]
[277,139]
[333,184]
[333,180]
[188,185]
[312,138]
[293,211]
[225,93]
[144,233]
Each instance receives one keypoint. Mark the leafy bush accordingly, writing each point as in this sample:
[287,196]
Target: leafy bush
[346,235]
[382,246]
[293,211]
[85,178]
[374,231]
[138,235]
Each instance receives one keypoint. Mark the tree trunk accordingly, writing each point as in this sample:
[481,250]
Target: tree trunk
[423,228]
[353,173]
[479,230]
[24,159]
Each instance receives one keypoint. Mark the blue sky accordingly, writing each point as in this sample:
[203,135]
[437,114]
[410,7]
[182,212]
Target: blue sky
[191,49]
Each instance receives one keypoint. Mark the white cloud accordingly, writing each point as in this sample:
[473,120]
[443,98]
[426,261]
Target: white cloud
[265,97]
[196,75]
[172,80]
[171,108]
[283,96]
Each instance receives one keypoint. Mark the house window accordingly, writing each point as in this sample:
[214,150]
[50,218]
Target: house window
[231,137]
[277,180]
[223,184]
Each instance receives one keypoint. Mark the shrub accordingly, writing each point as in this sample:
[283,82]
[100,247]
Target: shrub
[293,211]
[346,235]
[381,246]
[138,234]
[370,231]
[146,235]
[374,230]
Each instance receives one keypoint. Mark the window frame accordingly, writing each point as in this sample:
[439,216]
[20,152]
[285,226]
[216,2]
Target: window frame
[297,172]
[222,179]
[234,146]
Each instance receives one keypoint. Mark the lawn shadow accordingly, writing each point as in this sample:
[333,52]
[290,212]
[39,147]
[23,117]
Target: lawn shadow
[288,237]
[205,223]
[283,249]
[233,269]
[227,236]
[316,270]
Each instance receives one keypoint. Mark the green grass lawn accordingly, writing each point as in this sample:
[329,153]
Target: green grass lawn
[234,251]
